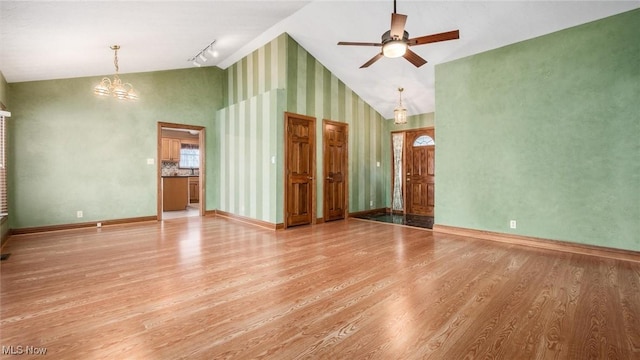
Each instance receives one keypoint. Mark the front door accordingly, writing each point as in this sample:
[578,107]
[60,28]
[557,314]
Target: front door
[420,179]
[299,169]
[335,170]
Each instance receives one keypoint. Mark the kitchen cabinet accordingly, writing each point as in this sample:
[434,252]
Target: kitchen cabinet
[194,189]
[170,149]
[175,193]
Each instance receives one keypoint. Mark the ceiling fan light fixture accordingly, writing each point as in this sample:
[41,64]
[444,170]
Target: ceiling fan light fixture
[395,42]
[394,48]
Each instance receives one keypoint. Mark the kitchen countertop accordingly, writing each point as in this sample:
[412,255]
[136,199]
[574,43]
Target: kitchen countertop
[179,176]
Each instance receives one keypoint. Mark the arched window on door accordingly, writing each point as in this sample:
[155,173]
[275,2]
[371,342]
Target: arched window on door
[424,140]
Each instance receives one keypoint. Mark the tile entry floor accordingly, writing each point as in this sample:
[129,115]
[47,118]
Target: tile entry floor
[420,221]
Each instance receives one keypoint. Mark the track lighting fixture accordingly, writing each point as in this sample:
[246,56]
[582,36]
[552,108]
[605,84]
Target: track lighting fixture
[200,57]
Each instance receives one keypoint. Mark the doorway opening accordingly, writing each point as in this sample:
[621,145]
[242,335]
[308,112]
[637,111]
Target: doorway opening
[180,171]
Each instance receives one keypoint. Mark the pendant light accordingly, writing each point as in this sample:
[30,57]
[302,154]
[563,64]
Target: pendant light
[400,113]
[115,87]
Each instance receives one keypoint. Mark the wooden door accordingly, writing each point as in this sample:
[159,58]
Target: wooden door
[420,152]
[335,157]
[299,169]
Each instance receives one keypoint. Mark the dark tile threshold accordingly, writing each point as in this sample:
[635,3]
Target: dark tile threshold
[420,221]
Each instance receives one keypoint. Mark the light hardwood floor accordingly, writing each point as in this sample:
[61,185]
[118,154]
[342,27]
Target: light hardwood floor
[206,288]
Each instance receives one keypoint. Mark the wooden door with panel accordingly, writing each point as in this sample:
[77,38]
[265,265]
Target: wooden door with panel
[299,169]
[420,166]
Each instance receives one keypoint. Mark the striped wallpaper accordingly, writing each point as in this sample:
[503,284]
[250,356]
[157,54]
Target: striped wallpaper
[261,71]
[247,142]
[282,76]
[314,91]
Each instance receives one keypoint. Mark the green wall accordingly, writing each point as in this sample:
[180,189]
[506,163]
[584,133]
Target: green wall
[314,91]
[92,151]
[282,76]
[546,132]
[249,134]
[71,150]
[247,138]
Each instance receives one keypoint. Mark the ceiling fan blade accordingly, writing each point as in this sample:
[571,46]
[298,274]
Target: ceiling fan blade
[414,58]
[449,35]
[398,22]
[373,59]
[359,43]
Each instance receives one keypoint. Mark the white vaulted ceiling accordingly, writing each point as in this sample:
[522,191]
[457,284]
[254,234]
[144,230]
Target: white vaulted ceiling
[42,40]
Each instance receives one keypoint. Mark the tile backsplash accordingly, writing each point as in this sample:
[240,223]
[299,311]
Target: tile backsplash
[170,168]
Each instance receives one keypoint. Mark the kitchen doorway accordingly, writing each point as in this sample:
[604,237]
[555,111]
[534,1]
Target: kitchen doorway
[180,171]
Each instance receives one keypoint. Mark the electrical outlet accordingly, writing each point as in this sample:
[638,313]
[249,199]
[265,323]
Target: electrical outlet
[99,225]
[371,203]
[512,224]
[79,214]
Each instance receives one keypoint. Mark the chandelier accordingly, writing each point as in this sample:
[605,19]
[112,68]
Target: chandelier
[400,113]
[115,87]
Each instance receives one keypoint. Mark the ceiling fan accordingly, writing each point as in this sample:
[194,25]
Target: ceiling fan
[395,42]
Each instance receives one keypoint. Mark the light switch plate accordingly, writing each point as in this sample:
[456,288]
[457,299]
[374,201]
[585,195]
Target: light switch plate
[150,161]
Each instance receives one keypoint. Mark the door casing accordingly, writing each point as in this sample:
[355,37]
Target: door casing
[409,137]
[201,171]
